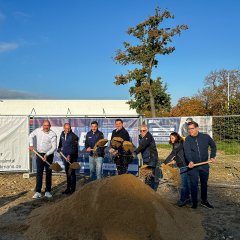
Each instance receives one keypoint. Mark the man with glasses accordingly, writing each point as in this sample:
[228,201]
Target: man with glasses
[46,144]
[196,151]
[147,148]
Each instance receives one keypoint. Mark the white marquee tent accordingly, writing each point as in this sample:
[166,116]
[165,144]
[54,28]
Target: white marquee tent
[86,108]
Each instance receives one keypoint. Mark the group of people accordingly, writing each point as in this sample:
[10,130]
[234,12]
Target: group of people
[185,153]
[194,150]
[46,145]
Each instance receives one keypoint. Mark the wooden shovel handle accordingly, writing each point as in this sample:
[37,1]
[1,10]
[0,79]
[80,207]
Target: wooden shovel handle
[202,163]
[64,157]
[40,156]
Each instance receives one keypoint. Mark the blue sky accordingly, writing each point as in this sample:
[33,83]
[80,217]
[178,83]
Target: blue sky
[64,48]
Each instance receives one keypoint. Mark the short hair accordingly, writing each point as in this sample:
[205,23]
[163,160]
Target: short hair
[144,126]
[178,138]
[193,123]
[67,124]
[46,120]
[94,122]
[119,120]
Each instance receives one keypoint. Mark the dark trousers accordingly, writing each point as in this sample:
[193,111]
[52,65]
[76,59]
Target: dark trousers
[71,176]
[194,175]
[40,168]
[152,180]
[121,164]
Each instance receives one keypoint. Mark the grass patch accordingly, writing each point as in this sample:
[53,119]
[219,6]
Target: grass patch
[228,148]
[164,146]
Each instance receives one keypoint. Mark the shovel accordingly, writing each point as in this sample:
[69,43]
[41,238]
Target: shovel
[202,163]
[54,166]
[74,165]
[198,164]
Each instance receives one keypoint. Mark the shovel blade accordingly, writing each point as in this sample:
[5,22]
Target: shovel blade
[75,165]
[55,167]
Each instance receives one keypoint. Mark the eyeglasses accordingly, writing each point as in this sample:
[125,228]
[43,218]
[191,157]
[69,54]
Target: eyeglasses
[143,130]
[191,128]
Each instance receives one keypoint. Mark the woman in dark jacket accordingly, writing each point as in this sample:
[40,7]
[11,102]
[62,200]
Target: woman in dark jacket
[178,155]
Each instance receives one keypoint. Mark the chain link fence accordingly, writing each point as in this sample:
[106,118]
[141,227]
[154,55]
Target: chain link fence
[226,134]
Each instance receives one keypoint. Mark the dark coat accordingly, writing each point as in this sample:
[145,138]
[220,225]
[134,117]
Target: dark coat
[68,146]
[196,148]
[177,154]
[147,148]
[123,133]
[91,140]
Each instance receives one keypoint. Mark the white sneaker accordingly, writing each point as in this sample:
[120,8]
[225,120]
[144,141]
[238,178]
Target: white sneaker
[48,195]
[37,195]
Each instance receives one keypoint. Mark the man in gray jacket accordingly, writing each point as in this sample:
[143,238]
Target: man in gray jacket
[196,151]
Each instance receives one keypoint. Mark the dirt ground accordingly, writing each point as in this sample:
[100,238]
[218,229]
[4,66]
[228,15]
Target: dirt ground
[223,222]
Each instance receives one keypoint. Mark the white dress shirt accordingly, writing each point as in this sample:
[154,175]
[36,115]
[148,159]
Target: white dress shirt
[46,141]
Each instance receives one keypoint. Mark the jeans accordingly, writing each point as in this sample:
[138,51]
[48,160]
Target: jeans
[184,195]
[71,177]
[95,165]
[194,175]
[40,168]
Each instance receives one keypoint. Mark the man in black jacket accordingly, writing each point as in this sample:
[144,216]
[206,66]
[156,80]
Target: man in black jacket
[95,158]
[148,149]
[119,158]
[68,145]
[196,151]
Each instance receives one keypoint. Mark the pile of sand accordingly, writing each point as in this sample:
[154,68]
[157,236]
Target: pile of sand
[120,207]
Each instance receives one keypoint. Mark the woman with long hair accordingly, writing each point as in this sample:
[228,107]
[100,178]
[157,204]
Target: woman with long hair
[177,154]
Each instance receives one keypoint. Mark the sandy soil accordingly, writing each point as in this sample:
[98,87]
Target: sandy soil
[223,222]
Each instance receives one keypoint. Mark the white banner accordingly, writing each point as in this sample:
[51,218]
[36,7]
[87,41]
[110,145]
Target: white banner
[161,128]
[14,155]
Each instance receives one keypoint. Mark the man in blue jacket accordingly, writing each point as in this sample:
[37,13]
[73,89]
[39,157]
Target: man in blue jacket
[95,158]
[196,151]
[68,145]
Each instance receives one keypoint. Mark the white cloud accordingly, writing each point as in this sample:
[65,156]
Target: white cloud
[6,47]
[17,94]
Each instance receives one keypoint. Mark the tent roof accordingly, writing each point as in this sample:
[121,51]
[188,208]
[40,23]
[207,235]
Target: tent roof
[111,108]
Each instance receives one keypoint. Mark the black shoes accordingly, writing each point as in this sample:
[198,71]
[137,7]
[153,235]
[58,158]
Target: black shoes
[194,206]
[183,203]
[206,204]
[67,191]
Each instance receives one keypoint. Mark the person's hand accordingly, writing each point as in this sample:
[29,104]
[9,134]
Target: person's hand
[111,150]
[213,160]
[114,153]
[68,158]
[88,149]
[191,165]
[31,148]
[45,158]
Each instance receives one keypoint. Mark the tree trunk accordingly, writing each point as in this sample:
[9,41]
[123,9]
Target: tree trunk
[152,102]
